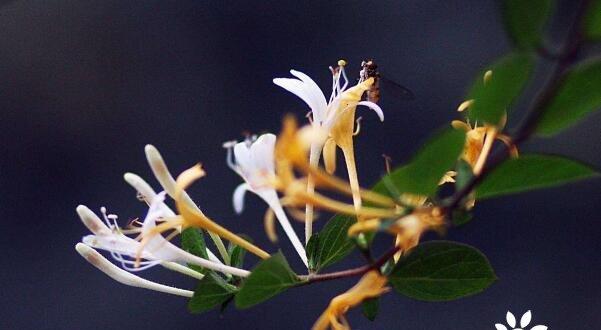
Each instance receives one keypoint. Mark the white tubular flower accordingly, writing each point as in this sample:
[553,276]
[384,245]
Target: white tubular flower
[164,177]
[254,162]
[148,194]
[337,118]
[325,113]
[124,277]
[156,251]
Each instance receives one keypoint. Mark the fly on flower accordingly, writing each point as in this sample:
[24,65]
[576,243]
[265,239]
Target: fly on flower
[369,69]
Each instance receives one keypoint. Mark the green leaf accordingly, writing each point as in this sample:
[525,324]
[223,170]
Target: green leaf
[424,171]
[212,291]
[525,19]
[492,99]
[311,251]
[579,95]
[193,241]
[370,307]
[237,253]
[461,217]
[531,172]
[334,243]
[269,278]
[442,271]
[592,22]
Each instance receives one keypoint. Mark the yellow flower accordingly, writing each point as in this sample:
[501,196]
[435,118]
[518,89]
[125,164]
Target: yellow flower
[408,229]
[371,285]
[290,154]
[193,217]
[337,118]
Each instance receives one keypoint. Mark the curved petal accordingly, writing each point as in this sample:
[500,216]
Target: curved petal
[510,319]
[315,93]
[374,107]
[306,93]
[238,198]
[242,155]
[92,221]
[539,327]
[525,320]
[500,326]
[262,152]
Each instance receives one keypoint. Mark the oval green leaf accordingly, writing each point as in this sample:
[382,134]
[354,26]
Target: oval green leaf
[525,20]
[579,95]
[269,278]
[333,243]
[424,171]
[442,271]
[193,241]
[530,172]
[212,291]
[492,99]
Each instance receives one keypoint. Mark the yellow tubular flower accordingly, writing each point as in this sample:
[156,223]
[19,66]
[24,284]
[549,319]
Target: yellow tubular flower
[342,133]
[408,229]
[371,285]
[291,149]
[193,218]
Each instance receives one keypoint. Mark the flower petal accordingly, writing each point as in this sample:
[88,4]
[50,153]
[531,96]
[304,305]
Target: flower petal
[539,327]
[310,94]
[499,326]
[92,221]
[510,319]
[374,107]
[525,320]
[238,198]
[262,153]
[242,154]
[314,92]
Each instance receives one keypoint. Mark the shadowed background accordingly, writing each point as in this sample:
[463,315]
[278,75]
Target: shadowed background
[85,85]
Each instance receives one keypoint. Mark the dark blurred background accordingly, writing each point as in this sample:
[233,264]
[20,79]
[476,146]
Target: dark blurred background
[84,85]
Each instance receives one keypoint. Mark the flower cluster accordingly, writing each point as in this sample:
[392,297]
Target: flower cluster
[285,172]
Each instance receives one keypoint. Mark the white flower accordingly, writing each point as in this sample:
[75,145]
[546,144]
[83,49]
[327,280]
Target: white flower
[122,276]
[337,118]
[254,162]
[324,113]
[124,249]
[524,322]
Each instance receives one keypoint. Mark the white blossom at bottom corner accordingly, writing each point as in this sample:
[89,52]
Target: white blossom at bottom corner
[524,322]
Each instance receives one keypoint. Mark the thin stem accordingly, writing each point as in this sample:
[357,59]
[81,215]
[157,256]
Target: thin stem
[564,60]
[312,278]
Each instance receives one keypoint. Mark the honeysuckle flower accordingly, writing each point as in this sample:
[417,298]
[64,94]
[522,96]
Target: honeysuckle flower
[124,277]
[371,285]
[290,151]
[191,216]
[147,194]
[254,162]
[524,322]
[408,229]
[166,180]
[337,117]
[154,251]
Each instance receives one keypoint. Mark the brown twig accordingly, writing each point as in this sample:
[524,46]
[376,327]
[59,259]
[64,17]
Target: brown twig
[312,278]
